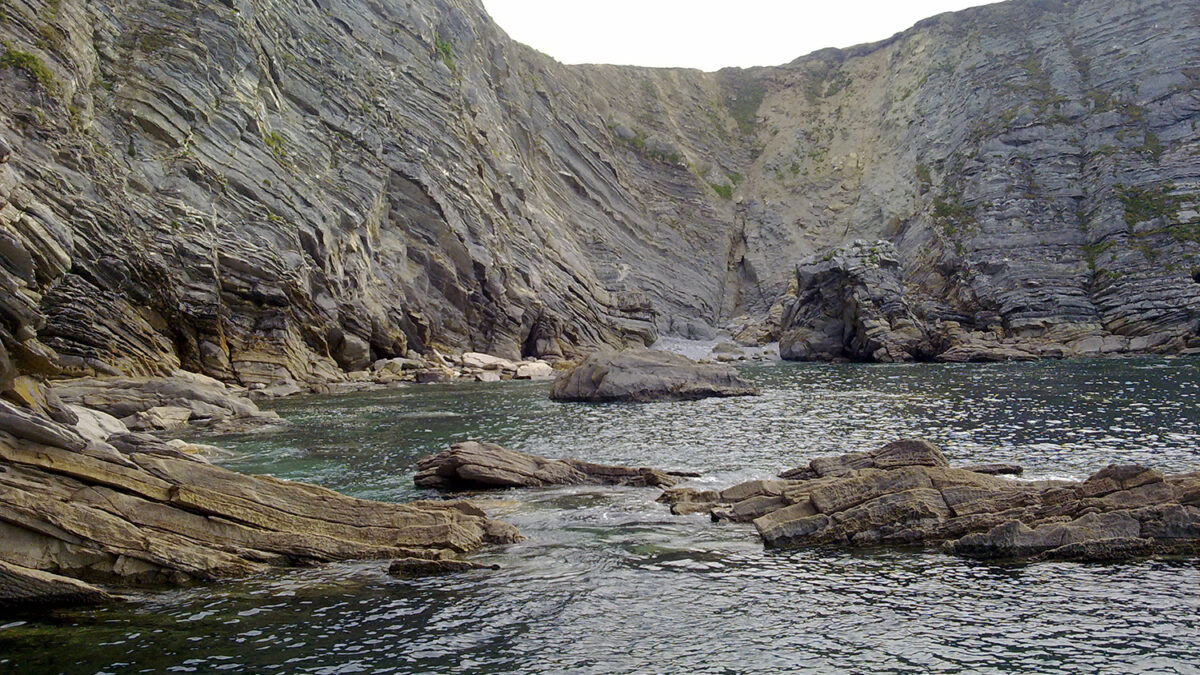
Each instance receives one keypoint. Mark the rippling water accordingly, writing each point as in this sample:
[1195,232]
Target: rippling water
[608,581]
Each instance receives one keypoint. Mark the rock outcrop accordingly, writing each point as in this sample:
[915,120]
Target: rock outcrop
[853,303]
[641,375]
[135,511]
[905,494]
[479,466]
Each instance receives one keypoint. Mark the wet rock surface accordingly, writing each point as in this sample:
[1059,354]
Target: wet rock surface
[640,375]
[133,510]
[24,588]
[412,568]
[478,466]
[904,494]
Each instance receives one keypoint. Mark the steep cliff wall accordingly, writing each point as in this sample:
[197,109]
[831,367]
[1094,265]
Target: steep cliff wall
[262,190]
[275,190]
[1035,163]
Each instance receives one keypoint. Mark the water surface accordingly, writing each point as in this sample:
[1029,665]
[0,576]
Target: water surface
[608,581]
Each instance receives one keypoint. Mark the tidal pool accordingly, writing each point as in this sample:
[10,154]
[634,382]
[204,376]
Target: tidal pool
[609,581]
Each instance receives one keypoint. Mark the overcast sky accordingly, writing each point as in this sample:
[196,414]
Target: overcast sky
[702,33]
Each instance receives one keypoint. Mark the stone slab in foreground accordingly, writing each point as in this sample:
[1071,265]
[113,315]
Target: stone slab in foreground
[905,494]
[641,375]
[134,510]
[478,466]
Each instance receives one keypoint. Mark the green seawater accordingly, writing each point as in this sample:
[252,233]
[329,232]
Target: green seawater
[609,581]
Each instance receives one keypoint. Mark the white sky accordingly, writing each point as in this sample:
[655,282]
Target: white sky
[702,33]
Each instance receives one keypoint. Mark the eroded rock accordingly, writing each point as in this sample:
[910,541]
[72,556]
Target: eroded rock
[25,587]
[165,403]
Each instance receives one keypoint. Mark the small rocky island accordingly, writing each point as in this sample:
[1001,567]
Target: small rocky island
[641,375]
[906,494]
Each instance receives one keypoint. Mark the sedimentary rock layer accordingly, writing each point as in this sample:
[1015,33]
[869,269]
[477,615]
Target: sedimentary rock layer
[135,510]
[905,494]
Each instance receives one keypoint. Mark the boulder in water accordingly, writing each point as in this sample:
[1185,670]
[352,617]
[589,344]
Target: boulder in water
[641,375]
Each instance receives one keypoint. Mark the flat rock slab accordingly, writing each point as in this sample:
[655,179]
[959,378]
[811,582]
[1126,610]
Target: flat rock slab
[641,375]
[480,466]
[905,494]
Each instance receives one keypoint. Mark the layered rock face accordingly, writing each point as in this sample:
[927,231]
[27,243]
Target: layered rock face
[272,191]
[132,510]
[1034,164]
[906,494]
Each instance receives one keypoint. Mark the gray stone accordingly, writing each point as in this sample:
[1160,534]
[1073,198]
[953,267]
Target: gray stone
[641,375]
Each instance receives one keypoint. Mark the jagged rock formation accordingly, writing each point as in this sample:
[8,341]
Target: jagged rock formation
[906,494]
[852,303]
[479,466]
[641,375]
[273,191]
[134,510]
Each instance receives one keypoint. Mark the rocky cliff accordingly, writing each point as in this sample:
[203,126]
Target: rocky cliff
[266,191]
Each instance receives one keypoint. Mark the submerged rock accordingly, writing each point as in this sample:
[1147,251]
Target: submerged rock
[647,375]
[997,469]
[905,494]
[135,510]
[473,466]
[409,568]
